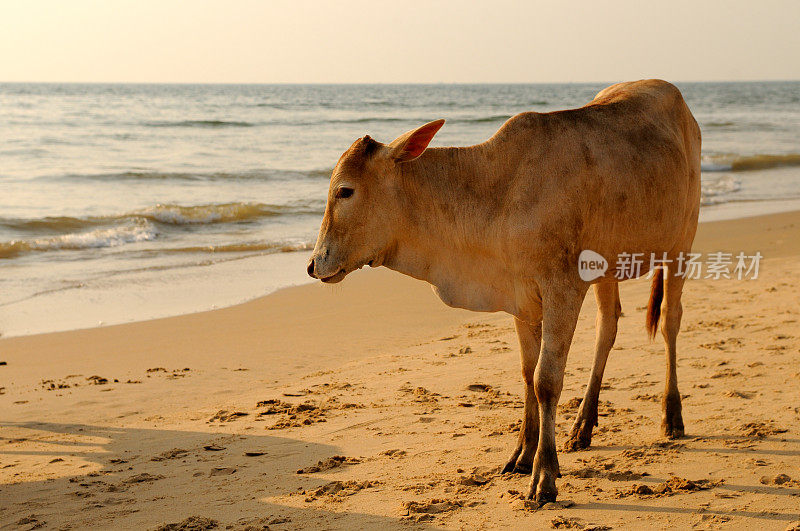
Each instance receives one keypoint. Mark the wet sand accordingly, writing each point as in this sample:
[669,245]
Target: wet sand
[371,404]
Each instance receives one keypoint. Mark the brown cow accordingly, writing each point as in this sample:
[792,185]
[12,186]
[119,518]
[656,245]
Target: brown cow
[499,226]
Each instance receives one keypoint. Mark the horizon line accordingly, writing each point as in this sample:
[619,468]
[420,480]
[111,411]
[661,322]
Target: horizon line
[344,83]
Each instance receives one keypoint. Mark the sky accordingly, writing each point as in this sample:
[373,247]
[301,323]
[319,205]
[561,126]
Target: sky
[375,41]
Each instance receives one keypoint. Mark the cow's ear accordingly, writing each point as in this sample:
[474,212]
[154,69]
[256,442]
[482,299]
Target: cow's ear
[409,146]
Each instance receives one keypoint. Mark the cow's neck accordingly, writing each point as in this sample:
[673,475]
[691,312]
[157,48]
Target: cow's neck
[445,240]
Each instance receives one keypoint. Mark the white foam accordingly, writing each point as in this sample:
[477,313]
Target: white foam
[200,214]
[714,188]
[99,238]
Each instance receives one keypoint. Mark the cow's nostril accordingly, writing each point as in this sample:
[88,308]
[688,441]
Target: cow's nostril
[310,268]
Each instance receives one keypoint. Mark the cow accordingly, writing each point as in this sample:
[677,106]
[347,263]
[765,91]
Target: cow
[500,226]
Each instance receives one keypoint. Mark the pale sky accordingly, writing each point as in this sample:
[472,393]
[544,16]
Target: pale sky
[401,41]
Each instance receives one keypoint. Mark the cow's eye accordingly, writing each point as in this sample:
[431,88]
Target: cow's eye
[344,192]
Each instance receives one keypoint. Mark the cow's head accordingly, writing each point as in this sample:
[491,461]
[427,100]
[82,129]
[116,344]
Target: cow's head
[361,215]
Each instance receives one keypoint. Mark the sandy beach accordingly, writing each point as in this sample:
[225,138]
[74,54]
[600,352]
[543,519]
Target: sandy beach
[370,404]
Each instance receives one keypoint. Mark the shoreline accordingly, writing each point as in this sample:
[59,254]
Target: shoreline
[747,209]
[152,294]
[222,285]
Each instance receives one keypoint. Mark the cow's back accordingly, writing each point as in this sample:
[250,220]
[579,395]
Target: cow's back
[621,174]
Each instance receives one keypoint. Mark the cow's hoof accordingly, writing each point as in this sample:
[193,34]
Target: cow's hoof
[580,436]
[672,426]
[542,488]
[517,466]
[672,432]
[545,497]
[577,442]
[512,462]
[523,468]
[536,500]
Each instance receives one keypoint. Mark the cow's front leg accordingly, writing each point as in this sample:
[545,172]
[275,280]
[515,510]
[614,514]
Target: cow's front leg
[560,317]
[530,341]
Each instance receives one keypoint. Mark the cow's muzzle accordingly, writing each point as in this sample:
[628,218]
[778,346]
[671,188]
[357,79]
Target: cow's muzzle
[313,272]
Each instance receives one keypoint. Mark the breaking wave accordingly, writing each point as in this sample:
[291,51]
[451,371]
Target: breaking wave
[255,175]
[111,237]
[241,248]
[749,163]
[713,190]
[203,214]
[143,232]
[165,214]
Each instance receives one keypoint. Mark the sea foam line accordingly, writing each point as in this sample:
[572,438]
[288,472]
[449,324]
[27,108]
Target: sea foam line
[95,239]
[749,162]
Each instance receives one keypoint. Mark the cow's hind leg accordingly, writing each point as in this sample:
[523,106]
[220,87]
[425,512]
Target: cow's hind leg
[530,341]
[608,312]
[671,312]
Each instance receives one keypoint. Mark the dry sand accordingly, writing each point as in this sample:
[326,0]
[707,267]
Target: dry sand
[399,411]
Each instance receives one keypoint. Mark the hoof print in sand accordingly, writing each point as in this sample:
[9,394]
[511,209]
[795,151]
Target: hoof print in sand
[263,522]
[422,511]
[193,523]
[303,414]
[563,522]
[760,430]
[213,448]
[652,453]
[475,480]
[143,478]
[175,453]
[227,416]
[613,475]
[394,452]
[533,505]
[674,485]
[292,415]
[780,480]
[222,471]
[419,394]
[332,462]
[30,522]
[338,490]
[479,476]
[733,393]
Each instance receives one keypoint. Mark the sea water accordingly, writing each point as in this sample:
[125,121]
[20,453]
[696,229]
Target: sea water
[122,202]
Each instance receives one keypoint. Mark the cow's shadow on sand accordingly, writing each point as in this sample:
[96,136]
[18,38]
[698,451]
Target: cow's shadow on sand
[98,476]
[119,483]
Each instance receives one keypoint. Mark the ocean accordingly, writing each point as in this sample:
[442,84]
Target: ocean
[122,202]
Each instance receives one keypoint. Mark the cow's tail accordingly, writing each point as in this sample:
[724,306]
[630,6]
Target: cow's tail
[654,305]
